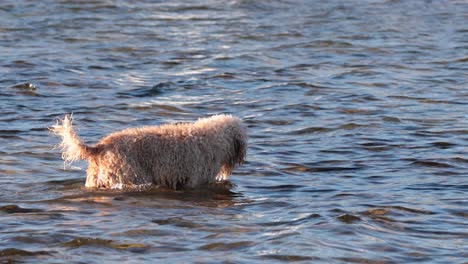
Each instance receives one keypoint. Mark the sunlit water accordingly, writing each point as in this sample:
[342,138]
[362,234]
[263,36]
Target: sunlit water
[357,113]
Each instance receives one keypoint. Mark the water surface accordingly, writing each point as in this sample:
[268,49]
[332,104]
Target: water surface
[356,111]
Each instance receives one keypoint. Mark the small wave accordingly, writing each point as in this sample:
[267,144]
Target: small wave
[379,214]
[278,122]
[288,258]
[314,130]
[10,252]
[26,89]
[155,105]
[363,260]
[328,43]
[407,209]
[188,7]
[194,71]
[391,119]
[10,133]
[351,126]
[430,163]
[87,241]
[443,145]
[25,86]
[348,218]
[15,209]
[143,233]
[297,221]
[279,188]
[465,59]
[178,221]
[311,130]
[303,168]
[155,90]
[221,246]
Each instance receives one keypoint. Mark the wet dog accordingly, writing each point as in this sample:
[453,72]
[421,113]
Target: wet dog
[177,156]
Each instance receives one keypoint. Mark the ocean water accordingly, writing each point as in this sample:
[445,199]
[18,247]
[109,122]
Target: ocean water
[357,114]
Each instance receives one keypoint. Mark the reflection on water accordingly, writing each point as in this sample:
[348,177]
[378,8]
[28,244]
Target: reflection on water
[356,113]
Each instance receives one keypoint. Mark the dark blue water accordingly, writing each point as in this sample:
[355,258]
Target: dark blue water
[356,110]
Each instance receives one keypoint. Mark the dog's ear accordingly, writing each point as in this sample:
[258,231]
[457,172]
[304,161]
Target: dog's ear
[236,154]
[239,150]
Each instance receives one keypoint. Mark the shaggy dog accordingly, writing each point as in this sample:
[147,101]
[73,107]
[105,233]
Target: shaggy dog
[181,155]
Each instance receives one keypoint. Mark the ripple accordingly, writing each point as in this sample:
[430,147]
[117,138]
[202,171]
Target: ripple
[377,211]
[348,218]
[9,252]
[154,105]
[221,246]
[155,90]
[99,242]
[409,210]
[294,222]
[310,130]
[278,122]
[379,214]
[10,134]
[143,92]
[194,71]
[363,260]
[431,163]
[285,187]
[143,233]
[443,145]
[25,86]
[43,238]
[15,209]
[304,168]
[177,221]
[65,182]
[391,119]
[315,130]
[288,258]
[351,126]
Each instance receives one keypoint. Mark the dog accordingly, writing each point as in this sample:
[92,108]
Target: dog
[176,156]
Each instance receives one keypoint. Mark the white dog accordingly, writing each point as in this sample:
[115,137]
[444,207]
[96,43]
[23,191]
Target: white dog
[182,155]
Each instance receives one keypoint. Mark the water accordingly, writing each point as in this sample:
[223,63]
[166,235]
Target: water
[356,111]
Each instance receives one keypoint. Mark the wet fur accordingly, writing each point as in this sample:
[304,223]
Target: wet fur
[183,155]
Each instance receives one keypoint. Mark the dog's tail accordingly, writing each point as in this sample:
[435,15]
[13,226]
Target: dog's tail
[72,146]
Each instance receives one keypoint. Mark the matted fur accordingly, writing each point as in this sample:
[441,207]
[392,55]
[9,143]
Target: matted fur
[182,155]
